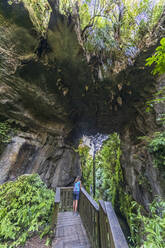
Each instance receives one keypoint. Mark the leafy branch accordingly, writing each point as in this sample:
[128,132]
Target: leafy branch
[158,59]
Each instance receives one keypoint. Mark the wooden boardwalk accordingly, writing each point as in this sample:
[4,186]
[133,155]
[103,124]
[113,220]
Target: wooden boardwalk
[70,232]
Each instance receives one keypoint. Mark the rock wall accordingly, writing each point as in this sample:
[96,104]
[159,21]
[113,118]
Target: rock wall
[143,179]
[56,163]
[34,97]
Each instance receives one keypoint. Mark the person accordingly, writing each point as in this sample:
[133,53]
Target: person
[76,193]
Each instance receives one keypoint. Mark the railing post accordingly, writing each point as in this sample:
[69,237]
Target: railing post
[103,226]
[55,208]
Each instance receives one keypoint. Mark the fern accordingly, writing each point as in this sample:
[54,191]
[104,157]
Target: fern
[25,207]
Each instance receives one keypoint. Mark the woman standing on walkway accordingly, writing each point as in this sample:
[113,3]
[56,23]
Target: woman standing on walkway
[76,193]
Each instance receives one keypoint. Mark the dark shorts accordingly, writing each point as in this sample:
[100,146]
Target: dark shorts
[76,195]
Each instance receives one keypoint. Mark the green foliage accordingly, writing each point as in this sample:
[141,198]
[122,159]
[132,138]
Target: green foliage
[157,149]
[5,129]
[158,59]
[155,144]
[108,173]
[66,7]
[3,21]
[113,30]
[153,228]
[159,97]
[25,208]
[146,229]
[39,12]
[86,165]
[6,133]
[110,184]
[129,209]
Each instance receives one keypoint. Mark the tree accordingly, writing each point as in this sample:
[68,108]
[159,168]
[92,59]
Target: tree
[110,30]
[113,30]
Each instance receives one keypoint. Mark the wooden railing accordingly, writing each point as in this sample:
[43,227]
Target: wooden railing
[111,235]
[100,221]
[66,199]
[89,212]
[56,208]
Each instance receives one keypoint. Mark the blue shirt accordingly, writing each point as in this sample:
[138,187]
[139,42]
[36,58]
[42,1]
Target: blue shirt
[77,187]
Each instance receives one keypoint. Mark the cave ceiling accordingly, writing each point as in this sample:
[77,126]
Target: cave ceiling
[48,82]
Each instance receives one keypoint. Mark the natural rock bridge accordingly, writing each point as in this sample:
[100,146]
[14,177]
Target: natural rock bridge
[96,226]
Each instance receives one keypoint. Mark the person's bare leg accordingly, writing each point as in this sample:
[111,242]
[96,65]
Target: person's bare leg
[76,204]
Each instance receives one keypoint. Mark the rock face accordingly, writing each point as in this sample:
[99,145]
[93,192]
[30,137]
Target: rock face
[56,163]
[143,179]
[33,95]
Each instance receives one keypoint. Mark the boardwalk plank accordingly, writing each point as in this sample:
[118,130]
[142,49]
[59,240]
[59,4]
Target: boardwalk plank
[70,232]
